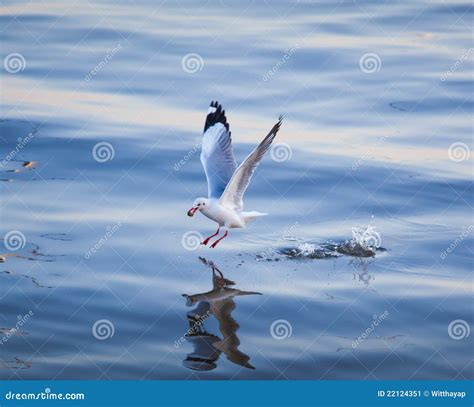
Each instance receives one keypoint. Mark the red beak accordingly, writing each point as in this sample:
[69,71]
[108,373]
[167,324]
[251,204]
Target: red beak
[192,211]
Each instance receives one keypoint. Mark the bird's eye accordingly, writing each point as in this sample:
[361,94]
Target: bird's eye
[203,204]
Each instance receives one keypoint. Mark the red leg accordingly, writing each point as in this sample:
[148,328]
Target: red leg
[218,240]
[206,240]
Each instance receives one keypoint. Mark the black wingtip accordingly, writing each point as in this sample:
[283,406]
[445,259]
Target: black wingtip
[215,115]
[277,125]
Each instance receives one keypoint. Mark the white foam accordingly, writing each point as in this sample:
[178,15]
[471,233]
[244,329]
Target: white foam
[307,249]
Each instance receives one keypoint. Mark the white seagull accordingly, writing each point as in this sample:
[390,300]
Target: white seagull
[226,182]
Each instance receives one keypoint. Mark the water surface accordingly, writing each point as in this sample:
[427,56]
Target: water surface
[106,251]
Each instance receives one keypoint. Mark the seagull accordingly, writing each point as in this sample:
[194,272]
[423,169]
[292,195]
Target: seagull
[227,183]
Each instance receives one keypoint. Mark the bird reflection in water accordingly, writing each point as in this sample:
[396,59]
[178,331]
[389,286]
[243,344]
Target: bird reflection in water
[220,303]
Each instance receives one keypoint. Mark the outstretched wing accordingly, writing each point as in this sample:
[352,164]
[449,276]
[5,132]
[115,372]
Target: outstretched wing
[217,156]
[234,192]
[228,326]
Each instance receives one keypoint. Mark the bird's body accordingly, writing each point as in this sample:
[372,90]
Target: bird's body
[226,182]
[222,215]
[227,217]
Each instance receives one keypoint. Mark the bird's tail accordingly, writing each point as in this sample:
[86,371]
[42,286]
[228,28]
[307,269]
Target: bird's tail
[252,215]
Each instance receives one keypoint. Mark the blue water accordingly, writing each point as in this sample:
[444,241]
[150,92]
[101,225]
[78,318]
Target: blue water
[366,146]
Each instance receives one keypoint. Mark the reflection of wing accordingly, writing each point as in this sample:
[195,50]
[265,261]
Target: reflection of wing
[204,355]
[217,156]
[234,192]
[228,326]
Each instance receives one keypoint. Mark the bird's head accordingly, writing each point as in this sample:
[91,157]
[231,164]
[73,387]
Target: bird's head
[198,205]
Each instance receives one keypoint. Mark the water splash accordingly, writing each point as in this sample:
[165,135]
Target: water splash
[309,251]
[365,242]
[367,238]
